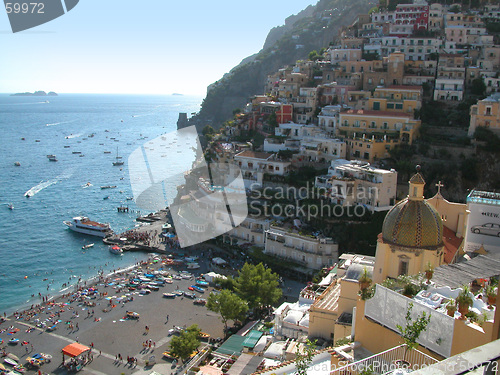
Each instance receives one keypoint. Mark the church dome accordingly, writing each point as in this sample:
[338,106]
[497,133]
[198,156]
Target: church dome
[413,222]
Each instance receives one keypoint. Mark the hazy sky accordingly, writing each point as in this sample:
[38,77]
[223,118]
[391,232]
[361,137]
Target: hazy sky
[145,46]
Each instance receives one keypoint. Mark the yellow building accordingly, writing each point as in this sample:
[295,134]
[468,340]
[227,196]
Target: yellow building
[379,124]
[396,98]
[412,236]
[485,113]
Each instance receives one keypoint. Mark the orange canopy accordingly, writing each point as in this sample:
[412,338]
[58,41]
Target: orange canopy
[75,349]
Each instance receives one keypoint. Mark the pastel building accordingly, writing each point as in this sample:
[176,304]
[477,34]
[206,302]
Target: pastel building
[485,113]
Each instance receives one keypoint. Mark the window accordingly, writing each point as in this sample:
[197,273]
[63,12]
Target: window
[403,267]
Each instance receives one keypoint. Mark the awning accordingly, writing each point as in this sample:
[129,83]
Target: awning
[75,349]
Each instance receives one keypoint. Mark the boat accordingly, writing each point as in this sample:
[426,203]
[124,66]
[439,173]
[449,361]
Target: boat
[107,152]
[10,206]
[76,152]
[130,198]
[200,301]
[107,197]
[52,158]
[17,164]
[115,250]
[118,160]
[108,187]
[202,283]
[204,335]
[87,246]
[82,224]
[198,289]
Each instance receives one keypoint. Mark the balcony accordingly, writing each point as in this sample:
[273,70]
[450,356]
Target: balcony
[386,362]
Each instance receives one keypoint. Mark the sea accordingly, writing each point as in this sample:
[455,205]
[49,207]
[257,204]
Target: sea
[86,133]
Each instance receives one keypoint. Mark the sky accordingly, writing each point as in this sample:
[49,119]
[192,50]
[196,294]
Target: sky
[143,47]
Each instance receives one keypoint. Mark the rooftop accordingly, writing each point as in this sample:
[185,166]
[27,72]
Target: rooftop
[362,112]
[485,197]
[254,154]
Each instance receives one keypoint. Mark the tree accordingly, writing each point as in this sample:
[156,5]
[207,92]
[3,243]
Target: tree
[478,87]
[303,360]
[186,343]
[228,305]
[411,332]
[258,285]
[208,130]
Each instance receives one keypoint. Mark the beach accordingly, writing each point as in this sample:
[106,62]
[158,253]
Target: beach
[94,316]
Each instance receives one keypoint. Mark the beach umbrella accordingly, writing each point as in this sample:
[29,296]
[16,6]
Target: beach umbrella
[13,356]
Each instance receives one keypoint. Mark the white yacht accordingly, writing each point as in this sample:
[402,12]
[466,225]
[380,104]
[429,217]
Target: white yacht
[82,224]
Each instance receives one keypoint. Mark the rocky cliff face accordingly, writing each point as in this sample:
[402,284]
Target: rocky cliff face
[312,29]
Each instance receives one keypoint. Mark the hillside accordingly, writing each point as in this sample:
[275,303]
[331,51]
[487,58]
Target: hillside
[313,28]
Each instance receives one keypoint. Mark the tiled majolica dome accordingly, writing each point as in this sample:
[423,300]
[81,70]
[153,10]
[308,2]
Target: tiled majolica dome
[413,222]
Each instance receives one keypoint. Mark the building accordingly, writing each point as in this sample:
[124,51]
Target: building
[358,183]
[396,98]
[254,165]
[483,224]
[310,251]
[398,126]
[485,113]
[449,89]
[412,236]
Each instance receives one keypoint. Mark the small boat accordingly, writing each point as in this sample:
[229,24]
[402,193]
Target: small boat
[87,246]
[107,197]
[13,341]
[118,160]
[204,335]
[67,146]
[17,164]
[107,152]
[10,206]
[202,283]
[108,187]
[198,289]
[76,152]
[200,301]
[52,157]
[115,250]
[130,198]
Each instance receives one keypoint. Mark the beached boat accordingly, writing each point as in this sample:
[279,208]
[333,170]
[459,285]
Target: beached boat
[115,250]
[202,283]
[82,224]
[169,295]
[204,335]
[200,301]
[198,289]
[84,247]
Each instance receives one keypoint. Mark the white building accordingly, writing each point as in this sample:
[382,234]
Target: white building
[254,165]
[449,89]
[358,183]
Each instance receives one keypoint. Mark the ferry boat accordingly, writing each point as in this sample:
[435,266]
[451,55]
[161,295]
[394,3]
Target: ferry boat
[82,224]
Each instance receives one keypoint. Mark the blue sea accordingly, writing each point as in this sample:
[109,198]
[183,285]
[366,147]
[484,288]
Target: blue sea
[38,253]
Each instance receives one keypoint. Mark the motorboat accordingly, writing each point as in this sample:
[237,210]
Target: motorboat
[169,295]
[84,247]
[115,250]
[52,157]
[108,186]
[83,224]
[198,289]
[17,164]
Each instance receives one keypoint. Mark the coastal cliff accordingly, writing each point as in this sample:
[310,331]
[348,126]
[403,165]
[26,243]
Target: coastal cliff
[312,29]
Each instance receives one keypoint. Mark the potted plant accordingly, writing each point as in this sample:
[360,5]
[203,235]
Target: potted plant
[409,290]
[429,271]
[491,293]
[451,307]
[364,280]
[464,301]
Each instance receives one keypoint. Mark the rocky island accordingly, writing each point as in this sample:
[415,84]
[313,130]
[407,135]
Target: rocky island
[36,93]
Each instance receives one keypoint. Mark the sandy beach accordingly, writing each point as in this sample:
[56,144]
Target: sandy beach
[93,314]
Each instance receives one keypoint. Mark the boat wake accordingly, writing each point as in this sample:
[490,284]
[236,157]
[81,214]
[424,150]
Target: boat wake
[42,185]
[45,184]
[60,123]
[73,136]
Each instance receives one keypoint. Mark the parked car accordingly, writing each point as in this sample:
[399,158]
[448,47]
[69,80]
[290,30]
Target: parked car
[490,229]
